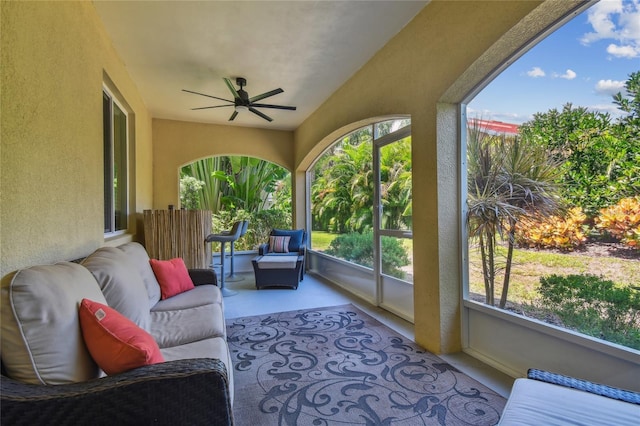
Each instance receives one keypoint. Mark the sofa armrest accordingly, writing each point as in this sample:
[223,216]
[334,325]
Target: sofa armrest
[203,276]
[263,249]
[191,391]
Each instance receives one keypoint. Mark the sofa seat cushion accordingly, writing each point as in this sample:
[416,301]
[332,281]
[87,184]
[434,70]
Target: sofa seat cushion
[177,327]
[138,254]
[41,338]
[215,347]
[277,262]
[201,295]
[121,284]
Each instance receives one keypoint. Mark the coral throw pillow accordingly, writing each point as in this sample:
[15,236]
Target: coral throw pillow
[115,342]
[279,244]
[172,275]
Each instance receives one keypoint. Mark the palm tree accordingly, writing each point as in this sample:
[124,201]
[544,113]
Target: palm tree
[507,180]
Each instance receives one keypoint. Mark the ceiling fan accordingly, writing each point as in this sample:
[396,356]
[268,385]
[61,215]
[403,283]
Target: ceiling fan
[241,100]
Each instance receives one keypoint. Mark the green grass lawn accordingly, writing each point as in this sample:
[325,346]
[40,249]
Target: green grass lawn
[320,240]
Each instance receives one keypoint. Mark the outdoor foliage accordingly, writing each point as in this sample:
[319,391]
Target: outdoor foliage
[190,188]
[622,221]
[358,248]
[507,181]
[342,188]
[594,306]
[342,184]
[557,232]
[231,183]
[239,188]
[599,159]
[260,224]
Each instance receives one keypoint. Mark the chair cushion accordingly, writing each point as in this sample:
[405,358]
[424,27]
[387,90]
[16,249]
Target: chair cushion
[172,275]
[277,262]
[115,342]
[279,244]
[121,284]
[41,338]
[137,253]
[295,242]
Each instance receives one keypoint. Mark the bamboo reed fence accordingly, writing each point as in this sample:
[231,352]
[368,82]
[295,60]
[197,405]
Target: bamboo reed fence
[178,233]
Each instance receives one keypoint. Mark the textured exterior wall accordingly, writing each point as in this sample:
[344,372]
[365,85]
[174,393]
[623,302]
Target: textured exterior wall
[54,56]
[177,143]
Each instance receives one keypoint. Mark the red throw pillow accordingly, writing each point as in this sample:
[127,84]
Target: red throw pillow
[172,275]
[115,342]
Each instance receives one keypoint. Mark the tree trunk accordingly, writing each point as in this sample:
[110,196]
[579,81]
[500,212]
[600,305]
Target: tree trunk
[507,271]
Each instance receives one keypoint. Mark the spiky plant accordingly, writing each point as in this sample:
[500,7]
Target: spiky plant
[507,180]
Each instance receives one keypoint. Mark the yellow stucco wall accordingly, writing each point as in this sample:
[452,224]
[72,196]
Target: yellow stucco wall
[54,56]
[177,143]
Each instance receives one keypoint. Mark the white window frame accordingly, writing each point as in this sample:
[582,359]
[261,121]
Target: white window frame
[110,228]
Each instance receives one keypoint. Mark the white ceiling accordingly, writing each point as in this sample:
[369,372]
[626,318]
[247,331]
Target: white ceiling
[307,48]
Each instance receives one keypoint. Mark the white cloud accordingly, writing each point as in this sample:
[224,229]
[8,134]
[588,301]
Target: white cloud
[609,87]
[569,75]
[622,51]
[616,20]
[536,72]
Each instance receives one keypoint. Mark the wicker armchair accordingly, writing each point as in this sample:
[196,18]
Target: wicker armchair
[190,391]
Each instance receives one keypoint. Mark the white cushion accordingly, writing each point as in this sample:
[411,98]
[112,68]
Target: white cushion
[277,262]
[536,403]
[41,338]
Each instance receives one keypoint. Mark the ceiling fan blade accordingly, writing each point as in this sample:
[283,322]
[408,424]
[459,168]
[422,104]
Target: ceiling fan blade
[208,96]
[256,112]
[235,113]
[230,86]
[209,107]
[265,95]
[290,108]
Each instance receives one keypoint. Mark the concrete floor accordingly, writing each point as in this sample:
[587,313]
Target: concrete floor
[315,292]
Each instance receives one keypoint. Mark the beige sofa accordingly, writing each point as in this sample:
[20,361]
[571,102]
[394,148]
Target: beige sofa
[49,374]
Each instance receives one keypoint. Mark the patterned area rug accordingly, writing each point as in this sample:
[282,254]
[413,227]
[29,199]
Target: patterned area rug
[339,366]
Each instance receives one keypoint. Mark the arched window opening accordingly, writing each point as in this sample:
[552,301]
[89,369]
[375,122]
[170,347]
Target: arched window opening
[550,196]
[239,188]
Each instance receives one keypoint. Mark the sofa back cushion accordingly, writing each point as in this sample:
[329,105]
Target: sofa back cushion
[41,338]
[121,284]
[137,253]
[296,237]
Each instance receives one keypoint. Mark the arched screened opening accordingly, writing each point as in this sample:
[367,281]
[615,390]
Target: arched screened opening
[360,191]
[553,180]
[239,188]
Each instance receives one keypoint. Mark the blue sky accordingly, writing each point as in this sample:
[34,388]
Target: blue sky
[584,63]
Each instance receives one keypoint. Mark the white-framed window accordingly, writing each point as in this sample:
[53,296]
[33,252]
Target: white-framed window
[116,170]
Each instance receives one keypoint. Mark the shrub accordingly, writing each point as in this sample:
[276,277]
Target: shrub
[358,248]
[564,233]
[594,306]
[190,188]
[622,221]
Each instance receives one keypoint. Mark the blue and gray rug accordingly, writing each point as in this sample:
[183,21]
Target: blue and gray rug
[339,366]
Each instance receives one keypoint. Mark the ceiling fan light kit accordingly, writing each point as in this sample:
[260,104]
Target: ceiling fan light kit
[242,102]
